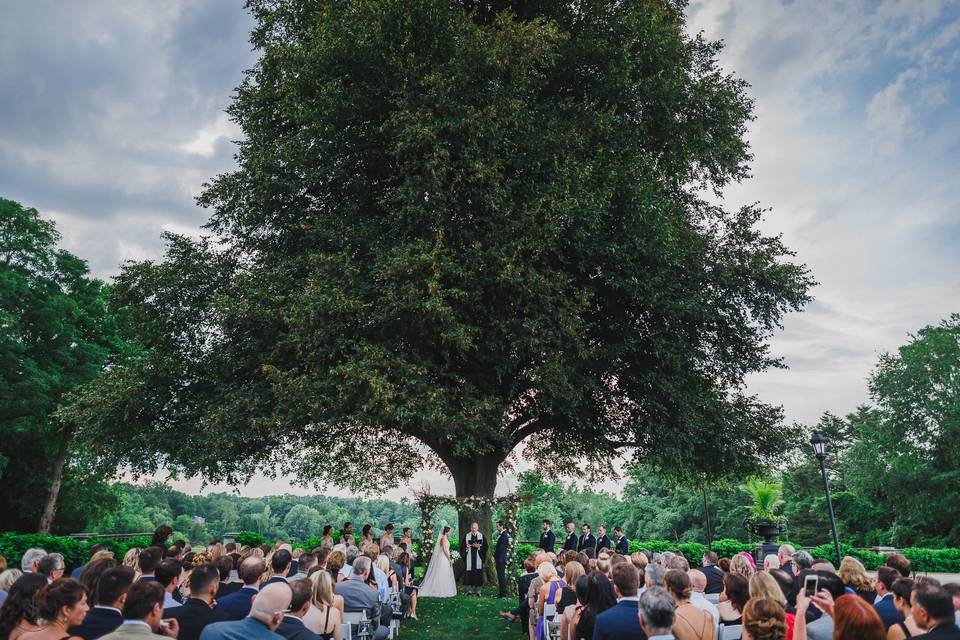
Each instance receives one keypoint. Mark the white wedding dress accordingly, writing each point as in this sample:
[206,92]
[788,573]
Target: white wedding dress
[439,581]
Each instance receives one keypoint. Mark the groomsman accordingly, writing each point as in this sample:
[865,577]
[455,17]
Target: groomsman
[500,557]
[587,541]
[603,540]
[623,545]
[548,538]
[570,544]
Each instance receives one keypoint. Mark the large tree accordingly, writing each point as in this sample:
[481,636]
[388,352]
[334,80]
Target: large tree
[456,227]
[55,334]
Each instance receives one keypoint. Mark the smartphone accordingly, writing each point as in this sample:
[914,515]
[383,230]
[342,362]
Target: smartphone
[810,585]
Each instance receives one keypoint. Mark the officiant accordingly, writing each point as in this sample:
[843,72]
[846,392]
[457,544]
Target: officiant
[474,550]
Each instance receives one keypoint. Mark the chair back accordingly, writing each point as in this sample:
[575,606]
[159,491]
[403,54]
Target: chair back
[730,632]
[346,631]
[712,597]
[549,611]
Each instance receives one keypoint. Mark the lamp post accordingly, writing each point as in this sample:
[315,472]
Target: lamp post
[706,512]
[819,444]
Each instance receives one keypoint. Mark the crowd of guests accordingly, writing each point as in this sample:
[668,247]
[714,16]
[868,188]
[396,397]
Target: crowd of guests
[591,594]
[217,592]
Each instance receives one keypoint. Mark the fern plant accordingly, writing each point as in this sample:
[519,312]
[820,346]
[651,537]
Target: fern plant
[766,502]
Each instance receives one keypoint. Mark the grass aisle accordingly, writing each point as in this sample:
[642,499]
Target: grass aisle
[460,618]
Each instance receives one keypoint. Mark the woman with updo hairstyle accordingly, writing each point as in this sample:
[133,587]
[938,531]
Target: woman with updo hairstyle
[61,604]
[335,562]
[764,619]
[161,535]
[19,612]
[740,563]
[736,593]
[854,576]
[690,623]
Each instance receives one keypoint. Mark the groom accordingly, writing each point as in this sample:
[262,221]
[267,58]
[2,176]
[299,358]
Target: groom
[475,550]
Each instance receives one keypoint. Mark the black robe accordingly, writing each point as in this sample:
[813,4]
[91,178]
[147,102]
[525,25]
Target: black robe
[473,559]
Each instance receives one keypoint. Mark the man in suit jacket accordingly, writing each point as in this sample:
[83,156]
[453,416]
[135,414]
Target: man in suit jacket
[570,544]
[292,627]
[197,611]
[266,614]
[500,558]
[106,614]
[713,572]
[548,538]
[224,565]
[142,615]
[785,555]
[237,605]
[603,540]
[621,622]
[623,545]
[357,596]
[656,614]
[885,607]
[587,540]
[281,562]
[933,610]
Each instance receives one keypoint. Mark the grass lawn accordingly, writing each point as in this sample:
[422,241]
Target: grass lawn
[461,618]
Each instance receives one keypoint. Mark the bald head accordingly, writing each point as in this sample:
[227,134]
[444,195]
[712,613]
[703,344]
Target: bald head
[698,580]
[270,603]
[251,570]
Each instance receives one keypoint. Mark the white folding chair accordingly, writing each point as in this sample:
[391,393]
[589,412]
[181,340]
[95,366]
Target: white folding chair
[346,631]
[731,632]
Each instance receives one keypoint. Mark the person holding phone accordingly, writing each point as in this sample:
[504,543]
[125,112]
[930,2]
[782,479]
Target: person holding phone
[143,614]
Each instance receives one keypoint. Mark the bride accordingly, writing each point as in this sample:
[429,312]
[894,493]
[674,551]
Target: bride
[439,581]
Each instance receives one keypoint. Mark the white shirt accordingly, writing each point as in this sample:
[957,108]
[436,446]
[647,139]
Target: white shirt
[169,602]
[100,606]
[698,600]
[635,598]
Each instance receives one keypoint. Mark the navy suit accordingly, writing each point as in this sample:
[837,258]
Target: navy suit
[246,629]
[273,580]
[603,542]
[193,617]
[888,611]
[500,557]
[946,631]
[226,588]
[714,578]
[587,542]
[570,544]
[623,546]
[619,622]
[98,622]
[292,629]
[237,605]
[547,540]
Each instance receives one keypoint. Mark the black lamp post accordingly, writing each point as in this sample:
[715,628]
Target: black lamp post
[706,512]
[820,450]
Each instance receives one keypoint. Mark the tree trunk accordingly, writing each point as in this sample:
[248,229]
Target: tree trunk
[477,476]
[56,478]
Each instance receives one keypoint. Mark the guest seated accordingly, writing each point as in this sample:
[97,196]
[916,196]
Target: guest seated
[237,605]
[111,594]
[899,562]
[622,622]
[712,572]
[736,593]
[854,577]
[197,611]
[902,590]
[7,578]
[225,567]
[52,566]
[325,614]
[93,572]
[764,619]
[357,596]
[771,562]
[523,587]
[18,615]
[698,582]
[292,626]
[885,606]
[690,623]
[143,614]
[933,611]
[60,605]
[656,614]
[266,614]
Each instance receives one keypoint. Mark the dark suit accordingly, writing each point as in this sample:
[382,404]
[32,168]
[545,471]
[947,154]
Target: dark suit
[500,558]
[603,542]
[547,540]
[292,629]
[272,580]
[714,578]
[237,604]
[193,616]
[888,611]
[788,567]
[945,631]
[146,579]
[246,629]
[587,542]
[98,622]
[571,542]
[226,588]
[619,622]
[623,546]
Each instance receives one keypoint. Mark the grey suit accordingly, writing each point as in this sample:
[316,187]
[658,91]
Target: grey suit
[357,596]
[131,631]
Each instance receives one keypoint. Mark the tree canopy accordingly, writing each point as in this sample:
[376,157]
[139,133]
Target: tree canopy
[55,335]
[455,228]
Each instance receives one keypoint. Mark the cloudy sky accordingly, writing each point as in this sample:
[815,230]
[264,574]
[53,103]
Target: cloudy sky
[111,118]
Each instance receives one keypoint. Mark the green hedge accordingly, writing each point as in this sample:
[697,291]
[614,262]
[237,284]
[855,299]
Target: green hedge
[75,552]
[249,539]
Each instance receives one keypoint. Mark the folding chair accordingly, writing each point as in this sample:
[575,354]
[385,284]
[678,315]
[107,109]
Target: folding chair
[731,632]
